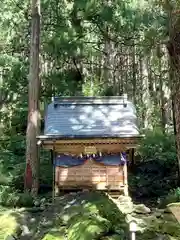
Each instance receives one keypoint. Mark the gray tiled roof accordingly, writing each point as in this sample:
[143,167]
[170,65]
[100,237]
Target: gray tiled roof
[89,116]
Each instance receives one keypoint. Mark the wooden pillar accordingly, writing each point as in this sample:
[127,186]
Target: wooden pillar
[125,174]
[55,188]
[56,184]
[55,175]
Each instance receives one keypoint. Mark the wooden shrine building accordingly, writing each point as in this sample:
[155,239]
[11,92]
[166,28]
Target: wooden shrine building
[92,139]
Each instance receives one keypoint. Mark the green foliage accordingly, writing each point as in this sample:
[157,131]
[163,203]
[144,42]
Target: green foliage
[25,200]
[172,197]
[158,146]
[12,163]
[10,197]
[156,173]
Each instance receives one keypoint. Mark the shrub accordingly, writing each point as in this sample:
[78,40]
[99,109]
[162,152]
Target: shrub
[172,197]
[9,197]
[25,200]
[156,173]
[12,163]
[158,146]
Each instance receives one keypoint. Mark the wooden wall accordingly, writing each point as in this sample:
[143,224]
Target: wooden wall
[91,175]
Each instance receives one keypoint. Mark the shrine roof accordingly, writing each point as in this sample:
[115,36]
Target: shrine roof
[90,117]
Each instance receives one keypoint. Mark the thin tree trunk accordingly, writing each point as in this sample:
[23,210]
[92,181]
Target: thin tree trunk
[171,76]
[141,91]
[32,156]
[107,59]
[134,70]
[162,98]
[121,72]
[146,95]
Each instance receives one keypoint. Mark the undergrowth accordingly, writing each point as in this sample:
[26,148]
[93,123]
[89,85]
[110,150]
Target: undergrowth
[10,197]
[155,174]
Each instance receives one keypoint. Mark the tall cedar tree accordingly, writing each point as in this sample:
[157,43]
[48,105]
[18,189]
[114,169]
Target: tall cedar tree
[32,156]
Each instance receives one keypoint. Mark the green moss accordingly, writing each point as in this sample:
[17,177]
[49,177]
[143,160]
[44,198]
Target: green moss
[71,212]
[113,237]
[147,235]
[52,237]
[168,217]
[171,228]
[87,227]
[105,208]
[165,225]
[95,216]
[56,234]
[90,207]
[172,238]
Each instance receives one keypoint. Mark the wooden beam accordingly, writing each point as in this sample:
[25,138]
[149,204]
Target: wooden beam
[93,141]
[78,149]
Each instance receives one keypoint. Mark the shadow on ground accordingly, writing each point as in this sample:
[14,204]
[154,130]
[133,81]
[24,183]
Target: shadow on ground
[78,216]
[94,216]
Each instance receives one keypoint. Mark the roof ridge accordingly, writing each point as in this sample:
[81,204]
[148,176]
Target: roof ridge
[91,97]
[114,100]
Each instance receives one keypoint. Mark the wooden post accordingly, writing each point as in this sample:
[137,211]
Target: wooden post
[125,179]
[54,168]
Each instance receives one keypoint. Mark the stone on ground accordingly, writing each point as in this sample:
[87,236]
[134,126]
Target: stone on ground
[125,204]
[141,208]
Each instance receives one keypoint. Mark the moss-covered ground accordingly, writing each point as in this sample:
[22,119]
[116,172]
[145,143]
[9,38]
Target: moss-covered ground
[88,216]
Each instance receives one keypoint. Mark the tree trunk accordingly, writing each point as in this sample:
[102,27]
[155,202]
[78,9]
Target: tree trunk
[174,55]
[171,76]
[32,156]
[176,112]
[141,92]
[134,70]
[106,65]
[161,92]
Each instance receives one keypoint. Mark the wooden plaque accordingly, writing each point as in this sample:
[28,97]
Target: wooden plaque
[90,150]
